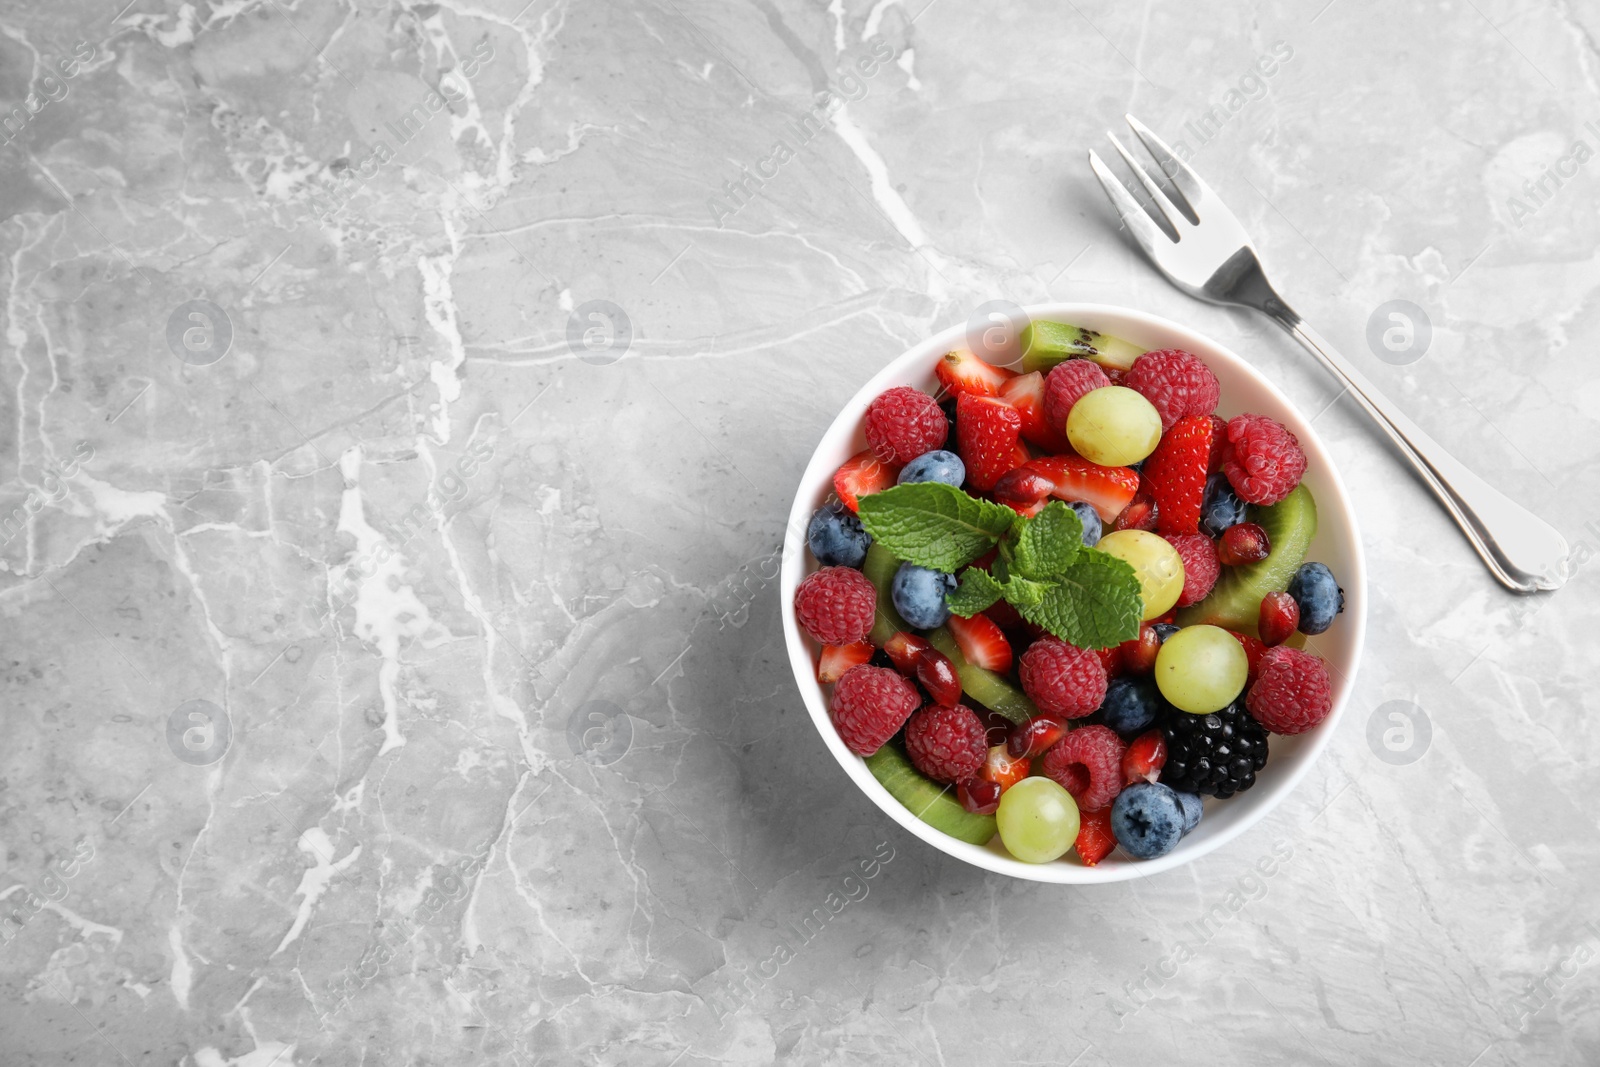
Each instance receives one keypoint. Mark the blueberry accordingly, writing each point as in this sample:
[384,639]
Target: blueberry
[1091,522]
[918,595]
[935,466]
[1318,596]
[1163,630]
[1147,819]
[1193,808]
[1221,507]
[836,537]
[1132,703]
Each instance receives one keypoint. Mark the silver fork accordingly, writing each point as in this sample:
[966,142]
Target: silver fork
[1213,258]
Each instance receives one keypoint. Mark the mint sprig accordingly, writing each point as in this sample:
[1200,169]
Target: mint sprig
[934,525]
[1086,597]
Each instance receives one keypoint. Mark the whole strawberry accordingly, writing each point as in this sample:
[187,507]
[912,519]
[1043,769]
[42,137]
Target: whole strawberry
[989,433]
[1292,692]
[1175,474]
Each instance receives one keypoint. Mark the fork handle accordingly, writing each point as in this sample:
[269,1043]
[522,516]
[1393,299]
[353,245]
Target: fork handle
[1522,551]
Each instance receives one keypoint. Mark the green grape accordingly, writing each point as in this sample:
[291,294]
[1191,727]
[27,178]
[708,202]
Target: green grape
[1201,669]
[1038,820]
[1113,426]
[1155,561]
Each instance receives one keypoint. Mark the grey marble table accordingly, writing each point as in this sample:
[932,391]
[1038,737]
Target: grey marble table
[401,405]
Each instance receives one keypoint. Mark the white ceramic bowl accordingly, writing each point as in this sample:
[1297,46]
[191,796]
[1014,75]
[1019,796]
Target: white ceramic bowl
[1337,544]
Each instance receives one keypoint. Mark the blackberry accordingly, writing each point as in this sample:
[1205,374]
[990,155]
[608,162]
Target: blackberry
[1217,754]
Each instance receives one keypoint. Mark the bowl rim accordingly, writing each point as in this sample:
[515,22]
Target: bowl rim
[817,479]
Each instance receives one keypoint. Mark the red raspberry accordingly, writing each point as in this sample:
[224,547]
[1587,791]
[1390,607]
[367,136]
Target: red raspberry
[1175,474]
[1265,462]
[1293,692]
[1065,386]
[1062,679]
[869,705]
[1176,382]
[1200,566]
[1088,764]
[947,743]
[903,423]
[836,605]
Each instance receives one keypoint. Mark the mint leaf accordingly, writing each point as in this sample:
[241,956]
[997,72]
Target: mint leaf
[1094,603]
[934,525]
[1048,542]
[976,592]
[1023,592]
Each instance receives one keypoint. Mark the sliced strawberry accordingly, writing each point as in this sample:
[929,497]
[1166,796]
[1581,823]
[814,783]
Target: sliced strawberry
[1095,839]
[1253,651]
[905,650]
[1175,474]
[981,641]
[988,430]
[861,475]
[1106,489]
[1004,769]
[836,659]
[1145,757]
[1140,514]
[1025,392]
[964,373]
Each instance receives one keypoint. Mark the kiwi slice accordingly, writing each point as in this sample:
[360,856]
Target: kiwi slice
[1045,343]
[1235,603]
[934,804]
[981,684]
[879,567]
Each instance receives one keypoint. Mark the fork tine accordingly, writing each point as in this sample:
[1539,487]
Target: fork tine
[1190,187]
[1138,221]
[1163,203]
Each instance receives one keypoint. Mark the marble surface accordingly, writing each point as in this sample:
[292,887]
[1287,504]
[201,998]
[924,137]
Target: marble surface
[402,404]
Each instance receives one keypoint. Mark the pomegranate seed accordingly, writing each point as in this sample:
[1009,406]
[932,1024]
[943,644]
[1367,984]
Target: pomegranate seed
[1021,488]
[938,676]
[979,796]
[1140,514]
[1242,543]
[1139,654]
[1031,738]
[1004,771]
[1280,617]
[905,649]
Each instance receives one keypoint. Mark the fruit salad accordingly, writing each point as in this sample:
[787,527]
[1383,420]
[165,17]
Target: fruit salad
[1066,605]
